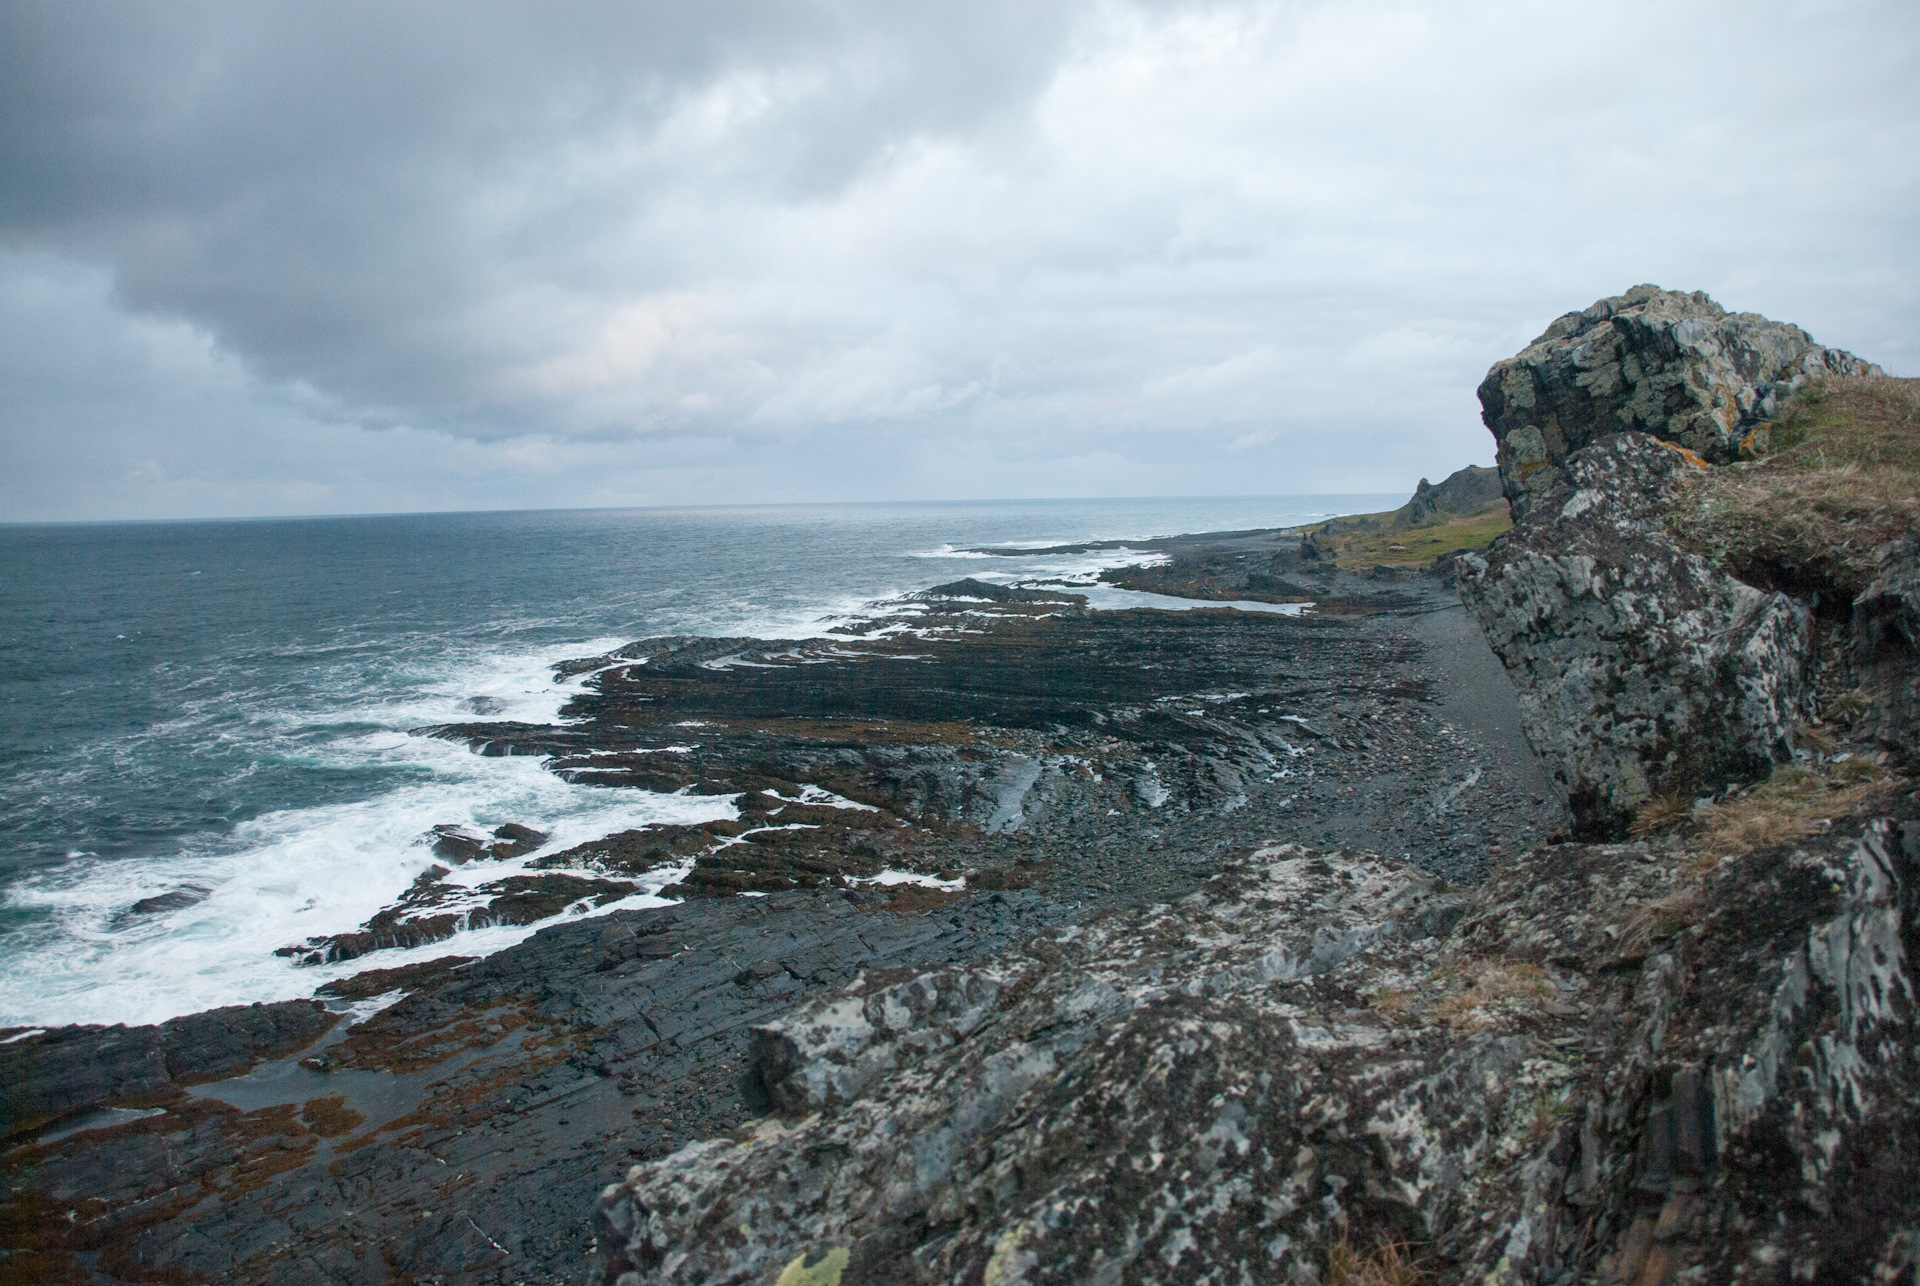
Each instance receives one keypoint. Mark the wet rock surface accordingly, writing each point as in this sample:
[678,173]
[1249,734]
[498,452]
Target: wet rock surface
[50,1077]
[462,1132]
[1644,671]
[1667,363]
[1030,761]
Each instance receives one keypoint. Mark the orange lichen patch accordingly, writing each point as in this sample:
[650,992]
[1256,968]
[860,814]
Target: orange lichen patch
[330,1117]
[1691,457]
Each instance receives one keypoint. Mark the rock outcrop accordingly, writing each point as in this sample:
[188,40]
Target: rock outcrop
[1886,633]
[1643,670]
[1471,490]
[1613,1069]
[1673,365]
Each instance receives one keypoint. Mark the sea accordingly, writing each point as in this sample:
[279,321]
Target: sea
[225,715]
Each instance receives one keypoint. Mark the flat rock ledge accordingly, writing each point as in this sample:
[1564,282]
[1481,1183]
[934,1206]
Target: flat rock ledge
[1604,1064]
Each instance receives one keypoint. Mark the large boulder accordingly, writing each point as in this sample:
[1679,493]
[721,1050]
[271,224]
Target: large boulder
[1671,364]
[1642,669]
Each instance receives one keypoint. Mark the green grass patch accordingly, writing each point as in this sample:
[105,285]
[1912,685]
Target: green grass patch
[1368,540]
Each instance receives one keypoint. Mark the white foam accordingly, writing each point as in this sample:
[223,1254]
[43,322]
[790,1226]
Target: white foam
[820,795]
[279,878]
[295,874]
[1109,598]
[891,877]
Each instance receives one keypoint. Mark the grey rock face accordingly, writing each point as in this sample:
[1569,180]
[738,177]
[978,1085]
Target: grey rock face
[1615,1070]
[1886,632]
[1673,365]
[1642,670]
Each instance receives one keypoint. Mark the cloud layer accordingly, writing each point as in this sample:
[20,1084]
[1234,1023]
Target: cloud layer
[274,257]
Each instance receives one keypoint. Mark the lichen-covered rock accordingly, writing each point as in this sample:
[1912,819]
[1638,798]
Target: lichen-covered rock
[1886,633]
[1674,365]
[1616,1069]
[1642,669]
[1181,1094]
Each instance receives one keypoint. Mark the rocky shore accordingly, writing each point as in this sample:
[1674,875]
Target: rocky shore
[1015,759]
[1542,915]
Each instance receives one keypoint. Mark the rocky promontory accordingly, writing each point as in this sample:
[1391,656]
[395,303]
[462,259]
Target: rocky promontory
[1684,1055]
[1670,364]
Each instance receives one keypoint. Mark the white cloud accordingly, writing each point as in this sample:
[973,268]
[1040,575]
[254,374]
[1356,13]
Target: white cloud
[931,251]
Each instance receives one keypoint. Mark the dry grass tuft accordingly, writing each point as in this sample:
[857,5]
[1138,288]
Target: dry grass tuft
[1815,737]
[1792,804]
[1660,920]
[1395,1004]
[1662,814]
[1489,987]
[1842,478]
[1391,1263]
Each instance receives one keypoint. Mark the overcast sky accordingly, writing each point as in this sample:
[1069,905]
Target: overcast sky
[334,257]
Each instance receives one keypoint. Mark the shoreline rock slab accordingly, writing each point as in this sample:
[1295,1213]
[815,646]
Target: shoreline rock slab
[460,1133]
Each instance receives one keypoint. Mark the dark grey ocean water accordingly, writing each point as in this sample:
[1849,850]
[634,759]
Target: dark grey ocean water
[227,706]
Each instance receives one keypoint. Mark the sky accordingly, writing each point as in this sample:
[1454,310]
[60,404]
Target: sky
[261,257]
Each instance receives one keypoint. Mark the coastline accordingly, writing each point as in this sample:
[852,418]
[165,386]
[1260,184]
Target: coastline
[600,1042]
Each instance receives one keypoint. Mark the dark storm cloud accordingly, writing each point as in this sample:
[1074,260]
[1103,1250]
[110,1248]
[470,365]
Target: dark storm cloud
[276,257]
[341,192]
